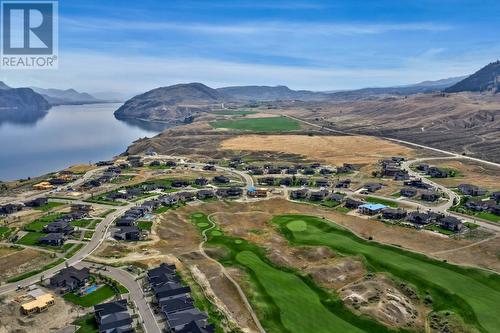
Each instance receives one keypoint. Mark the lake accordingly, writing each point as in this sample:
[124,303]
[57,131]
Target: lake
[65,136]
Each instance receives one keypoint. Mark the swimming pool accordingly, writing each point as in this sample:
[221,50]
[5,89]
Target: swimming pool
[91,289]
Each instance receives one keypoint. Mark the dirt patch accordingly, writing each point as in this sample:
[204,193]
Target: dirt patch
[60,315]
[330,149]
[379,297]
[22,261]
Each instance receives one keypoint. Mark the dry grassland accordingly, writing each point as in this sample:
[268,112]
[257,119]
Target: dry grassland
[21,261]
[330,149]
[473,173]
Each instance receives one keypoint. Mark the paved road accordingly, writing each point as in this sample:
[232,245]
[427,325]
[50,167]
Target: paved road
[97,239]
[135,293]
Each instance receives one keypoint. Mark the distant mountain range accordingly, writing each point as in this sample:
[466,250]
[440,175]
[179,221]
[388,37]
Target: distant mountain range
[66,97]
[485,79]
[178,103]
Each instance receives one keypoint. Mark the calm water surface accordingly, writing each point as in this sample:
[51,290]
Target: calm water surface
[66,135]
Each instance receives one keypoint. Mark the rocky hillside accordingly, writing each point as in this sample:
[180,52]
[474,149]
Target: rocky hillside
[463,123]
[173,104]
[13,99]
[485,79]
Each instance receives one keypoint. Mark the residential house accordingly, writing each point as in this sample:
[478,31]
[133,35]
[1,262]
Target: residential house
[423,167]
[495,196]
[322,182]
[401,175]
[346,183]
[372,187]
[408,192]
[256,193]
[269,181]
[451,223]
[429,196]
[201,181]
[473,190]
[38,202]
[437,172]
[155,163]
[180,183]
[70,278]
[132,233]
[336,197]
[292,171]
[299,194]
[113,317]
[420,218]
[172,164]
[54,239]
[480,205]
[221,179]
[393,213]
[179,320]
[186,196]
[303,181]
[10,208]
[197,327]
[205,194]
[318,195]
[59,226]
[326,171]
[257,172]
[235,192]
[351,203]
[209,167]
[371,209]
[273,171]
[418,183]
[308,171]
[287,181]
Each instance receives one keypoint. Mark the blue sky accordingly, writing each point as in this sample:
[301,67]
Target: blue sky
[132,46]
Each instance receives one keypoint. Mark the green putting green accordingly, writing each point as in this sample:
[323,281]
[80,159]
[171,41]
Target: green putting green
[238,241]
[198,215]
[202,224]
[297,225]
[216,233]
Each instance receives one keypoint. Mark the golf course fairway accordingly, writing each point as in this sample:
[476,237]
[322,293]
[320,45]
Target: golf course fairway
[473,294]
[300,307]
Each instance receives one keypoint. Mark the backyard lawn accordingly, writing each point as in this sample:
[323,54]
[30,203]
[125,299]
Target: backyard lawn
[381,201]
[100,295]
[49,206]
[40,223]
[87,324]
[145,225]
[31,238]
[272,124]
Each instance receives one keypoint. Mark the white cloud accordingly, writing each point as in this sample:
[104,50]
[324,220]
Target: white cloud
[129,75]
[249,28]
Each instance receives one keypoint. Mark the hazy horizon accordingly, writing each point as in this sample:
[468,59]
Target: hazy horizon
[130,47]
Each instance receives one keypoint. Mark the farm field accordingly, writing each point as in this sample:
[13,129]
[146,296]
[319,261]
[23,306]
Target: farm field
[330,149]
[451,287]
[269,124]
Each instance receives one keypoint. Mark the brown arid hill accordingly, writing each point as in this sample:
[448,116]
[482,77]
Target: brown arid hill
[463,123]
[175,104]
